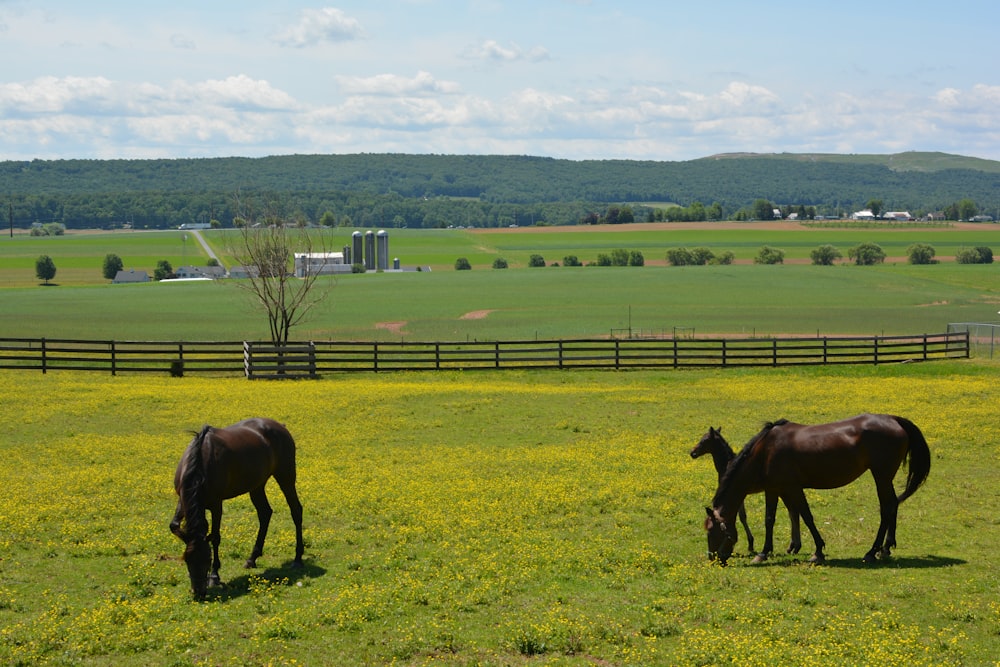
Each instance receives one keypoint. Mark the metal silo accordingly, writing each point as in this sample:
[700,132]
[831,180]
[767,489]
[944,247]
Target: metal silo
[369,250]
[357,249]
[382,256]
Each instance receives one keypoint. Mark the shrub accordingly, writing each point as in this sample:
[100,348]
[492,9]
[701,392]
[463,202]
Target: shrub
[725,258]
[45,268]
[867,254]
[603,259]
[635,258]
[462,264]
[571,260]
[825,255]
[619,257]
[769,255]
[702,256]
[680,256]
[536,260]
[977,255]
[499,263]
[921,253]
[358,268]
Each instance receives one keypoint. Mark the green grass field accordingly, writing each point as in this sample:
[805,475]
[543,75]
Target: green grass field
[517,303]
[494,518]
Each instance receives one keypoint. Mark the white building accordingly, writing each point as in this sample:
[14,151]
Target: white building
[319,263]
[898,216]
[863,215]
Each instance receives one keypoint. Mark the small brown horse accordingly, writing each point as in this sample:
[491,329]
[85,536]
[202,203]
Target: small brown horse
[713,443]
[222,463]
[785,458]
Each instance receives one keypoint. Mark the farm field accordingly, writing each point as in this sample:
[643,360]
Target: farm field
[490,518]
[519,303]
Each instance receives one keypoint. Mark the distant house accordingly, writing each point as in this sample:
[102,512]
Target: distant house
[131,276]
[863,215]
[981,218]
[190,272]
[242,271]
[898,216]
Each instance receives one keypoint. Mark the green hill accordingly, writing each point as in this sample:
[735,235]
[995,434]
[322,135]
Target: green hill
[396,190]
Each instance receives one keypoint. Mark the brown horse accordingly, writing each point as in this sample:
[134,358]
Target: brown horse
[222,463]
[785,458]
[713,443]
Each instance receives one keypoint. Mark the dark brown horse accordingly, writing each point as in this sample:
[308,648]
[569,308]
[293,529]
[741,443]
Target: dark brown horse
[785,458]
[222,463]
[713,443]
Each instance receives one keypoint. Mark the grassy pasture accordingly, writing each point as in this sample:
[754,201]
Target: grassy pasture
[489,518]
[554,302]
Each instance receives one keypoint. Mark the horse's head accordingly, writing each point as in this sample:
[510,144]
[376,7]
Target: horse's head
[722,536]
[704,445]
[198,558]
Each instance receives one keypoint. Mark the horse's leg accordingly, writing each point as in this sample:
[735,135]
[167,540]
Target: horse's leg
[885,539]
[175,523]
[796,502]
[770,510]
[796,542]
[287,486]
[264,512]
[746,528]
[215,537]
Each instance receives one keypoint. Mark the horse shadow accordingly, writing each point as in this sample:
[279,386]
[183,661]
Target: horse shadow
[286,574]
[894,562]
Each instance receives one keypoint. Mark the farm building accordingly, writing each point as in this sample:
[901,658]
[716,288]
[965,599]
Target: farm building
[131,276]
[319,263]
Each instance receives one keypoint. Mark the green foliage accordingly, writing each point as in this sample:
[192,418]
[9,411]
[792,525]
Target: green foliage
[462,264]
[359,267]
[635,258]
[112,265]
[536,261]
[866,254]
[571,260]
[680,257]
[921,253]
[48,229]
[977,255]
[499,263]
[163,270]
[45,268]
[825,255]
[768,255]
[725,257]
[432,191]
[619,257]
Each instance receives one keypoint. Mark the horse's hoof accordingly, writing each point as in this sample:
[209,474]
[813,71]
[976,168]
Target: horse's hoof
[214,581]
[869,559]
[297,564]
[817,559]
[250,564]
[758,559]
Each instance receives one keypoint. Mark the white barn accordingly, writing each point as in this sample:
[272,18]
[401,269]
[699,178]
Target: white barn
[319,263]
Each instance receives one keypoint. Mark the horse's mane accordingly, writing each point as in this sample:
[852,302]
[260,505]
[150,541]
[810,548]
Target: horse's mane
[192,479]
[739,462]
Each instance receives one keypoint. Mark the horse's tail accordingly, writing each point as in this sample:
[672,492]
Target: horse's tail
[920,458]
[191,482]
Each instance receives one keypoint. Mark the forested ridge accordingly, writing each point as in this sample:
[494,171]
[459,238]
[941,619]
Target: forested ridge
[440,190]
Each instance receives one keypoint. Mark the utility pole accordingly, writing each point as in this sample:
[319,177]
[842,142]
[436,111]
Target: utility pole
[10,215]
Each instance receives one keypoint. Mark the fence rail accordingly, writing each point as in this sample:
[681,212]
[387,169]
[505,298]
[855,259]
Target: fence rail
[295,360]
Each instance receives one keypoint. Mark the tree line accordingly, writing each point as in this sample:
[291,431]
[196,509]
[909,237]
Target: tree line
[428,191]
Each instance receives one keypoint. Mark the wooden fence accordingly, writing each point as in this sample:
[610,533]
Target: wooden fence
[296,360]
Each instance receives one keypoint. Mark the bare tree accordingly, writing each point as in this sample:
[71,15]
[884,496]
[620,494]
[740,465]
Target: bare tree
[266,246]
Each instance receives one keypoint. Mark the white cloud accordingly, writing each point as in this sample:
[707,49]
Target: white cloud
[391,84]
[494,51]
[320,25]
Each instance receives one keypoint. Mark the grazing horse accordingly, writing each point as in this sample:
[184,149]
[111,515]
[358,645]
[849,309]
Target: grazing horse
[785,458]
[222,463]
[713,443]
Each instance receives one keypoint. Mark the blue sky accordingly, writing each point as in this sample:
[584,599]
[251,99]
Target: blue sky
[577,79]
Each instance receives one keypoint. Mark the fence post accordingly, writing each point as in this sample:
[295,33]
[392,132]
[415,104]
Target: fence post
[45,358]
[496,354]
[925,347]
[825,361]
[114,367]
[618,354]
[723,352]
[247,360]
[312,359]
[560,352]
[774,351]
[875,349]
